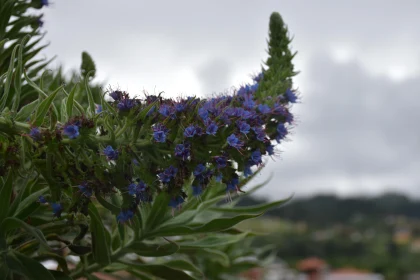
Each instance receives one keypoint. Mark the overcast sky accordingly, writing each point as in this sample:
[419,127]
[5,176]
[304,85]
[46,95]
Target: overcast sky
[357,130]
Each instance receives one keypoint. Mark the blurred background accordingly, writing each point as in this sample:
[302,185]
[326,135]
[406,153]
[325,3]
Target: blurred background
[352,162]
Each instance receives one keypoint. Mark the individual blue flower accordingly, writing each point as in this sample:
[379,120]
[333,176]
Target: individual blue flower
[132,189]
[221,161]
[248,102]
[57,209]
[171,170]
[136,162]
[279,109]
[243,127]
[190,131]
[291,96]
[234,141]
[159,133]
[219,177]
[44,3]
[35,134]
[259,133]
[85,190]
[247,171]
[203,113]
[289,118]
[167,111]
[124,216]
[282,132]
[246,114]
[212,129]
[42,199]
[110,153]
[182,150]
[175,202]
[98,108]
[270,150]
[159,136]
[168,174]
[72,131]
[264,108]
[258,77]
[256,157]
[116,95]
[179,106]
[200,168]
[125,104]
[232,185]
[197,190]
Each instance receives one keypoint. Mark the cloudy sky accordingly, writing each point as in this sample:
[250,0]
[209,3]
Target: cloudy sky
[357,128]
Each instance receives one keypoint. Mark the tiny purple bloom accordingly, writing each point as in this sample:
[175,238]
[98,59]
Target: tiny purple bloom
[42,199]
[197,190]
[270,150]
[110,153]
[219,177]
[203,113]
[247,171]
[85,190]
[282,132]
[175,202]
[35,134]
[221,161]
[243,127]
[199,170]
[190,131]
[72,131]
[264,108]
[57,209]
[256,157]
[212,129]
[291,96]
[116,95]
[159,136]
[125,104]
[234,141]
[125,216]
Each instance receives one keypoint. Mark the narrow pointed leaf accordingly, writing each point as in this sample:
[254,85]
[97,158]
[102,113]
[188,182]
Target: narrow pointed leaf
[44,106]
[100,247]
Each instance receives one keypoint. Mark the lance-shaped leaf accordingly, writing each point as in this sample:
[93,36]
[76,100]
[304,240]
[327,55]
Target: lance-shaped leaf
[9,78]
[251,209]
[44,106]
[158,212]
[183,265]
[12,223]
[91,101]
[26,111]
[5,194]
[27,267]
[153,250]
[27,204]
[213,241]
[100,245]
[161,271]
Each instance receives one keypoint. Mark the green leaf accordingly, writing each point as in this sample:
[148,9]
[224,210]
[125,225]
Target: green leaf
[27,267]
[9,78]
[26,111]
[44,106]
[18,75]
[158,212]
[59,275]
[217,256]
[111,207]
[100,246]
[212,226]
[153,250]
[89,94]
[12,223]
[28,202]
[70,100]
[213,241]
[183,265]
[162,271]
[251,209]
[5,194]
[19,197]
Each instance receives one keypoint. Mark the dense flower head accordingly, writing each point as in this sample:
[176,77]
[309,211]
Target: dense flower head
[71,131]
[124,216]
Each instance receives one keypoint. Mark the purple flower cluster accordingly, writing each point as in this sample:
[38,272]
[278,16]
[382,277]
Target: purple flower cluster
[110,153]
[160,132]
[71,131]
[124,216]
[168,174]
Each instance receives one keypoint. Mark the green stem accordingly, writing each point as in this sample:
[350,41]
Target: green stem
[123,129]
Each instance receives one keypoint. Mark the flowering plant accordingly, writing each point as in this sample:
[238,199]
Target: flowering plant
[93,176]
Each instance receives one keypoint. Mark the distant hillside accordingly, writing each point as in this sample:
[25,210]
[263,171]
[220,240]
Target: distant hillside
[324,210]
